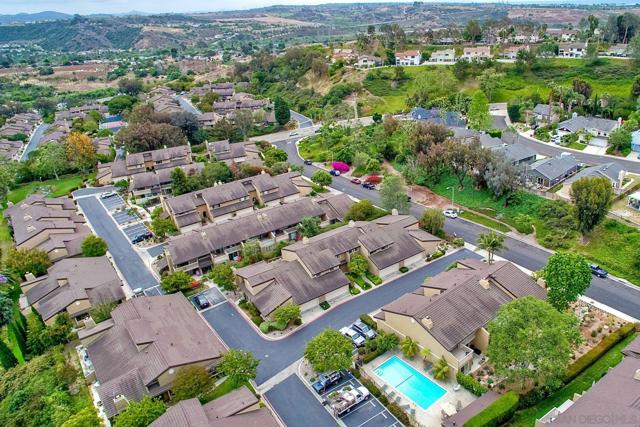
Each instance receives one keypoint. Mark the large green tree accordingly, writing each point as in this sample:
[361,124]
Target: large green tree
[87,417]
[175,282]
[281,110]
[190,382]
[567,276]
[222,275]
[531,342]
[478,115]
[329,351]
[393,194]
[592,197]
[239,366]
[93,246]
[321,178]
[22,261]
[620,139]
[358,264]
[432,221]
[490,80]
[309,226]
[361,211]
[286,313]
[140,414]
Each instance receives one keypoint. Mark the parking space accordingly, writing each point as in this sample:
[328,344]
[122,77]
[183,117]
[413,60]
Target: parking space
[124,217]
[212,295]
[135,230]
[153,291]
[155,250]
[113,203]
[370,413]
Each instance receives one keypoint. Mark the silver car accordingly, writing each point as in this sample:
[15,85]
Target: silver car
[357,339]
[360,327]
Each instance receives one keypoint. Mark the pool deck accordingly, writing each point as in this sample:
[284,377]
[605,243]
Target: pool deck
[431,416]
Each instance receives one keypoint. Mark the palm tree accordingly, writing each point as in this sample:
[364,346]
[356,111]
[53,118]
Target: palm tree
[425,353]
[491,242]
[409,347]
[441,369]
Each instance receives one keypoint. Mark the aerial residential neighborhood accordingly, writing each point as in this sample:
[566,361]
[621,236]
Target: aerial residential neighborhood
[347,214]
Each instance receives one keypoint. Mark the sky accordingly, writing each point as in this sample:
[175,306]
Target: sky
[84,7]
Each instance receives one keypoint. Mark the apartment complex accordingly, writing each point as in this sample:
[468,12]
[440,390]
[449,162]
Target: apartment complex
[239,152]
[312,270]
[74,286]
[140,349]
[51,225]
[234,199]
[476,53]
[196,251]
[150,185]
[448,314]
[239,408]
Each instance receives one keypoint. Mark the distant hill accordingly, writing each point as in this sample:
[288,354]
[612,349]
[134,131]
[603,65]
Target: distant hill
[22,18]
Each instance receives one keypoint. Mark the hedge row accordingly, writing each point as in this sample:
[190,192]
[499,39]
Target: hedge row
[396,410]
[590,357]
[470,383]
[373,278]
[498,412]
[368,320]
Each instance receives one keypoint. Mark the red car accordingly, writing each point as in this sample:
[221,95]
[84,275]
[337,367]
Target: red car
[356,181]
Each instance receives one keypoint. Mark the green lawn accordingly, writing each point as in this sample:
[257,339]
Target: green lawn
[528,417]
[484,221]
[577,146]
[611,76]
[226,387]
[52,187]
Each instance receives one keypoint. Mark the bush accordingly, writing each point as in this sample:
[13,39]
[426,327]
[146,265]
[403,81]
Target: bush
[325,305]
[265,327]
[458,242]
[470,383]
[368,320]
[353,290]
[399,413]
[373,278]
[437,254]
[497,413]
[373,389]
[404,269]
[369,356]
[280,326]
[596,352]
[355,372]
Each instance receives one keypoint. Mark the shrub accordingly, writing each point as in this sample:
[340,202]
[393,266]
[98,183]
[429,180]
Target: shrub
[355,372]
[470,383]
[325,305]
[375,391]
[596,352]
[368,357]
[280,326]
[404,269]
[399,413]
[437,254]
[265,327]
[373,278]
[498,412]
[458,242]
[368,320]
[352,290]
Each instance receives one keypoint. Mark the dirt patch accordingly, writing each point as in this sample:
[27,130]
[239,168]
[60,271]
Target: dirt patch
[428,198]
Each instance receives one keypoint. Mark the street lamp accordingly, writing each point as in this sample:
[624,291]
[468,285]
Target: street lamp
[453,200]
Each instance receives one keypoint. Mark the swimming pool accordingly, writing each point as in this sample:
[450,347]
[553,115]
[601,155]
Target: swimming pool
[410,382]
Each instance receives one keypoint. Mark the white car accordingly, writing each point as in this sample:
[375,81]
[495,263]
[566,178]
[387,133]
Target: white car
[293,134]
[357,339]
[450,213]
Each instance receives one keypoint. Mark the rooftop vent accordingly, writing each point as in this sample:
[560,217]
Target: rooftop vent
[485,283]
[427,322]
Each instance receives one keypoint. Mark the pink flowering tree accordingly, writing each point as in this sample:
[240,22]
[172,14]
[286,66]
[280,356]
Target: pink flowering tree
[340,166]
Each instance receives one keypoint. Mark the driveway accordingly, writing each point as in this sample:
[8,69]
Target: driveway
[187,106]
[620,296]
[277,355]
[128,261]
[34,141]
[303,122]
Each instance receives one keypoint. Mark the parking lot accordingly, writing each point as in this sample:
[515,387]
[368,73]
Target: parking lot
[124,217]
[154,251]
[132,231]
[213,295]
[113,203]
[370,413]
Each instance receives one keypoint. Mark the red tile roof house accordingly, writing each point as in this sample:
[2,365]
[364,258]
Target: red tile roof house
[408,58]
[140,349]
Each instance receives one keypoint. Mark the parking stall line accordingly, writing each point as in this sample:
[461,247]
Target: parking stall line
[375,416]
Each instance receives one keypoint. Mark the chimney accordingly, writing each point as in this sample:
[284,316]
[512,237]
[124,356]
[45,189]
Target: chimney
[484,283]
[636,375]
[541,282]
[352,223]
[305,240]
[394,212]
[29,276]
[427,322]
[120,402]
[63,281]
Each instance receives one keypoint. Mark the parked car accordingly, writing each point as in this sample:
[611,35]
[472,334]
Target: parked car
[369,186]
[356,181]
[108,194]
[308,162]
[293,134]
[357,339]
[360,327]
[335,172]
[138,292]
[599,271]
[201,302]
[450,213]
[326,381]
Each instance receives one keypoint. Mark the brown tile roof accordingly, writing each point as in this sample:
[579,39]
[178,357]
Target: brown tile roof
[150,335]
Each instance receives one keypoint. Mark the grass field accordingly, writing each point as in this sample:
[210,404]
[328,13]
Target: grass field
[584,381]
[484,221]
[611,76]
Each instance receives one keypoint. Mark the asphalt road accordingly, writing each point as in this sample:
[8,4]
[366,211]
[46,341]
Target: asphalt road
[34,141]
[620,296]
[296,406]
[277,355]
[125,257]
[187,106]
[303,122]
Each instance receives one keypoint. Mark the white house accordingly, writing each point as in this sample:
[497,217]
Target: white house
[572,50]
[409,58]
[443,56]
[368,61]
[512,52]
[598,128]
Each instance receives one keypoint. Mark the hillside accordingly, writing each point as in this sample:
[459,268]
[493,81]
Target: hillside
[33,17]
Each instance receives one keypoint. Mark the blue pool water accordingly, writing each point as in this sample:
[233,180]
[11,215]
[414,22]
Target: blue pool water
[410,382]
